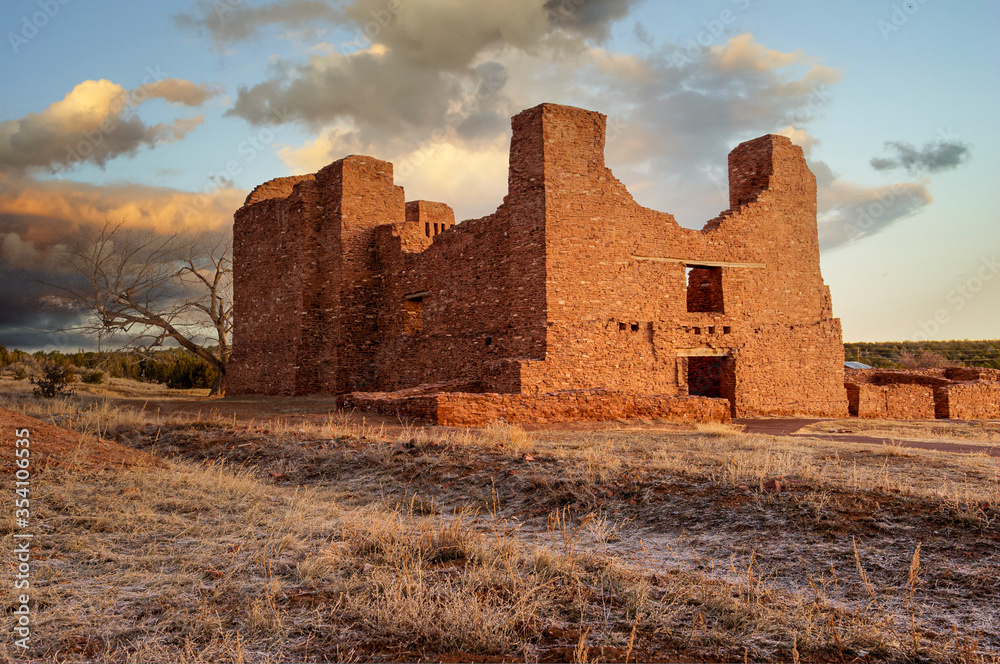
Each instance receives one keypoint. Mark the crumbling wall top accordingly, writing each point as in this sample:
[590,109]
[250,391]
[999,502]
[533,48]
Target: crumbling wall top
[276,188]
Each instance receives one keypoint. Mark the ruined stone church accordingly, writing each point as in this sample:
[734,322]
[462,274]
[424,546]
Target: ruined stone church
[571,301]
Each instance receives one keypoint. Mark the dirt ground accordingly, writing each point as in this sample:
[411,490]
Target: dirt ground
[284,530]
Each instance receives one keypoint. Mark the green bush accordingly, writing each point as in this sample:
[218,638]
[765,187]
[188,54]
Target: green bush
[20,373]
[93,377]
[56,378]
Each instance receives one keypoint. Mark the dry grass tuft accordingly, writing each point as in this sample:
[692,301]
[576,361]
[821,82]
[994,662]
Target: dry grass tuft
[511,438]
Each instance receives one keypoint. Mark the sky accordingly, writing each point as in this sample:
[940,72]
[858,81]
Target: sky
[165,115]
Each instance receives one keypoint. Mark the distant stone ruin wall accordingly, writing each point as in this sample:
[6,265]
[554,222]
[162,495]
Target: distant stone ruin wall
[894,402]
[926,394]
[969,401]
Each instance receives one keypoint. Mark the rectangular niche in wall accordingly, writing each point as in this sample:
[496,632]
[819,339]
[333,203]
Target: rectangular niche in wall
[413,314]
[704,289]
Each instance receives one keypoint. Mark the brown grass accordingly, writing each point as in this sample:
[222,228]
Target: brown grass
[286,541]
[971,432]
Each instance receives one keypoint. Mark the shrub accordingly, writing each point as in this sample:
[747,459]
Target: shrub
[56,377]
[20,373]
[93,377]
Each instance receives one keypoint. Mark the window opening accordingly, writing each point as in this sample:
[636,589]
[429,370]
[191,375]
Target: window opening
[704,289]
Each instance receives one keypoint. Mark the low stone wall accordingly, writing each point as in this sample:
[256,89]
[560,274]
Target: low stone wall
[894,402]
[466,409]
[968,401]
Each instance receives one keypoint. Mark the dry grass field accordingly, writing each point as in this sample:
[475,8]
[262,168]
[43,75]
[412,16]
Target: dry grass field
[331,539]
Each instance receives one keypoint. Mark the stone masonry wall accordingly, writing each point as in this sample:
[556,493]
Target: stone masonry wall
[956,393]
[896,402]
[464,409]
[969,401]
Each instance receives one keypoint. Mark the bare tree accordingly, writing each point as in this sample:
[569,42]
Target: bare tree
[146,289]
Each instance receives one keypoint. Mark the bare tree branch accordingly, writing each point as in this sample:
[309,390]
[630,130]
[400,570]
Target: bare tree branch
[151,288]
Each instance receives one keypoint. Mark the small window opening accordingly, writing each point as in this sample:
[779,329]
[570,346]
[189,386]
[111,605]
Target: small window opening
[726,329]
[489,341]
[436,231]
[635,327]
[711,330]
[704,289]
[697,330]
[427,229]
[413,315]
[621,327]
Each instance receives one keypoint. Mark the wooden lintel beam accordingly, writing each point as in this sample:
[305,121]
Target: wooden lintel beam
[696,263]
[703,352]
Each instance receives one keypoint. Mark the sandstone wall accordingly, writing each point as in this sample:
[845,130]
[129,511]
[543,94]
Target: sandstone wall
[969,401]
[894,402]
[464,409]
[630,292]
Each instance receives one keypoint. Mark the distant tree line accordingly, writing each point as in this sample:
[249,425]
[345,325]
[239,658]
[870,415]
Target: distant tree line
[925,354]
[174,367]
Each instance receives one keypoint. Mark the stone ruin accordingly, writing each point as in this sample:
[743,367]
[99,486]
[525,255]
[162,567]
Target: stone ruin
[958,393]
[570,302]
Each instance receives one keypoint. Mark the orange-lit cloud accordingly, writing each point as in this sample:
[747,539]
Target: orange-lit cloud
[96,122]
[39,211]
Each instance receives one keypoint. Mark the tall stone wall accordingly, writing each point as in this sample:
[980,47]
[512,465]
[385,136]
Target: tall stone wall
[630,292]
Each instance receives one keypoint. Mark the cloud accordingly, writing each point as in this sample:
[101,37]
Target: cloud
[431,86]
[227,22]
[941,155]
[849,212]
[42,211]
[422,60]
[94,122]
[178,91]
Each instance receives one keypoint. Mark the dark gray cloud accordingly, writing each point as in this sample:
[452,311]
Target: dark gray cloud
[850,212]
[935,156]
[228,21]
[590,18]
[33,318]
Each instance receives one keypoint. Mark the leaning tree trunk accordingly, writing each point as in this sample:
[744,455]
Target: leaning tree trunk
[219,386]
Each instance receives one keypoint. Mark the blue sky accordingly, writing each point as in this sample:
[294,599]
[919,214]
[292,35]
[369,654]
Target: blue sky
[910,248]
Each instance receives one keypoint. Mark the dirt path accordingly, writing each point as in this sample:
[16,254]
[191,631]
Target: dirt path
[790,427]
